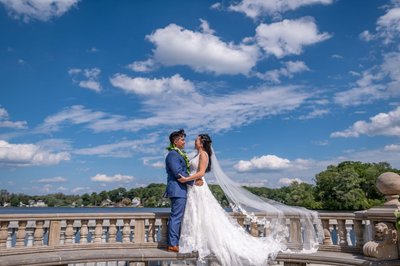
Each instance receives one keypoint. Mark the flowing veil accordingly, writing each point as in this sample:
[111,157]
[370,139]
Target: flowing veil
[277,215]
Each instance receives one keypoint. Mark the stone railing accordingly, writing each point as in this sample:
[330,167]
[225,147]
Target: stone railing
[64,230]
[40,233]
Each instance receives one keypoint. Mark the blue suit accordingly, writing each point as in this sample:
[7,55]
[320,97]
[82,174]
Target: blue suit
[176,191]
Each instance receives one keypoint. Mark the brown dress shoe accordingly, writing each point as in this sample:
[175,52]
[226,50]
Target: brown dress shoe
[173,248]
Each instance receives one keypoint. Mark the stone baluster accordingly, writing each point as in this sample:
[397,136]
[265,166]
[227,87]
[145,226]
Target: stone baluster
[84,231]
[69,232]
[295,231]
[29,238]
[164,230]
[349,228]
[39,232]
[3,233]
[139,231]
[112,231]
[327,234]
[20,239]
[126,231]
[11,231]
[152,230]
[358,231]
[55,233]
[342,232]
[98,231]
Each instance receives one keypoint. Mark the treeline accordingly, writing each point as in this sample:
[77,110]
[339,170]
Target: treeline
[347,186]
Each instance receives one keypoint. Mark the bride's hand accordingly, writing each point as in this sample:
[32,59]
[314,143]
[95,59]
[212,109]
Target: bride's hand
[183,179]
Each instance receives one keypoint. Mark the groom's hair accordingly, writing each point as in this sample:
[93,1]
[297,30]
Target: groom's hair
[176,134]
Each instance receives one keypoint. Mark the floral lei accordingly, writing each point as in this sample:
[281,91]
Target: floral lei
[172,147]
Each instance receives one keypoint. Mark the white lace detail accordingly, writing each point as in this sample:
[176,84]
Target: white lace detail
[207,228]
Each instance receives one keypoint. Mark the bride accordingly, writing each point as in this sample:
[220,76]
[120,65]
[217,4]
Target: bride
[208,229]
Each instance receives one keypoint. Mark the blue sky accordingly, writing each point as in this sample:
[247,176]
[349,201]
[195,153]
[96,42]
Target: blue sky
[90,90]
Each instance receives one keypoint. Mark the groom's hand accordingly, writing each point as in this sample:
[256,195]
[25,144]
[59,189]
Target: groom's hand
[199,182]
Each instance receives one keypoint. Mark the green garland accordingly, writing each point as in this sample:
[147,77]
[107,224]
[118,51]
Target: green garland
[181,153]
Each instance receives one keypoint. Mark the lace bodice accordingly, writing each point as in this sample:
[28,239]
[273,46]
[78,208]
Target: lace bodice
[194,164]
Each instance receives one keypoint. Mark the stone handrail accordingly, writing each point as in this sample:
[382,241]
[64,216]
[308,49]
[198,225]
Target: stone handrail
[40,233]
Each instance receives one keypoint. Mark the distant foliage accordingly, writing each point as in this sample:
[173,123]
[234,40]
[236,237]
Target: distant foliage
[350,185]
[347,186]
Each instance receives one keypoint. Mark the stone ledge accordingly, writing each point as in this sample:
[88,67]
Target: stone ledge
[64,257]
[334,258]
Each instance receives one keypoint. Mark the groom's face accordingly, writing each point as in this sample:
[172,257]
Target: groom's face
[180,142]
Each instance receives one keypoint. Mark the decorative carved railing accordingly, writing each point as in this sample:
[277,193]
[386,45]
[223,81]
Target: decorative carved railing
[40,233]
[342,231]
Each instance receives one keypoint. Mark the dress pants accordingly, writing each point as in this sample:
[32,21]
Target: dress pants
[174,224]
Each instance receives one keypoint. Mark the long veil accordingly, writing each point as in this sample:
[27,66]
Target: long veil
[278,219]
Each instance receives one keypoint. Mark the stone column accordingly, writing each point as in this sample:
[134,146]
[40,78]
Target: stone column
[385,245]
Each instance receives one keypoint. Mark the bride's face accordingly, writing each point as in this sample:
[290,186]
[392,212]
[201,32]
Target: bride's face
[197,143]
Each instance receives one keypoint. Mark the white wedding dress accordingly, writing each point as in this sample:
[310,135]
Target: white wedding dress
[208,229]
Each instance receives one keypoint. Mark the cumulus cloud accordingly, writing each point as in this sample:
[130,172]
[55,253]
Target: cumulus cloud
[86,78]
[114,178]
[384,124]
[392,147]
[265,162]
[28,10]
[201,51]
[58,179]
[146,86]
[290,68]
[288,37]
[6,123]
[28,154]
[257,8]
[81,189]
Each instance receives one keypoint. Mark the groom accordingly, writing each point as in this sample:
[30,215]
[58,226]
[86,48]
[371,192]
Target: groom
[177,163]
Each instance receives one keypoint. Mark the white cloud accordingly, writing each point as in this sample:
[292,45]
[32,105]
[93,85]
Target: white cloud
[42,10]
[142,66]
[367,36]
[90,78]
[121,149]
[392,147]
[384,124]
[57,179]
[288,37]
[388,25]
[209,112]
[314,114]
[290,68]
[115,178]
[202,51]
[287,181]
[257,8]
[6,123]
[146,86]
[150,161]
[28,154]
[378,83]
[265,162]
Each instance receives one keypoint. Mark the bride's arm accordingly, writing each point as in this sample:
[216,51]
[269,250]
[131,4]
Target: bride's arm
[203,163]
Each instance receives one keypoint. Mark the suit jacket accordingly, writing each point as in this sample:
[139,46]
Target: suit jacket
[175,165]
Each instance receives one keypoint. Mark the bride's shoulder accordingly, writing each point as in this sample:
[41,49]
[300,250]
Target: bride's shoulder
[203,154]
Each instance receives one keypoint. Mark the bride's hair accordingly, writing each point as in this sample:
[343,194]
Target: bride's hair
[206,142]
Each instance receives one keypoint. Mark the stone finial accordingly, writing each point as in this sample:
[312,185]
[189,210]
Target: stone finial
[389,184]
